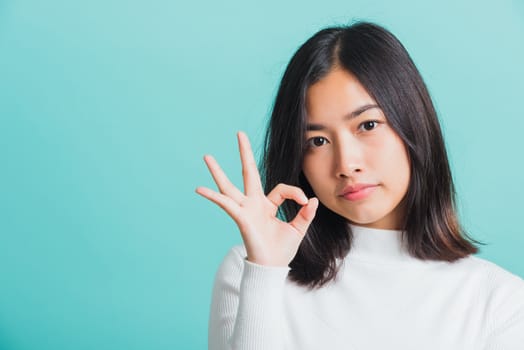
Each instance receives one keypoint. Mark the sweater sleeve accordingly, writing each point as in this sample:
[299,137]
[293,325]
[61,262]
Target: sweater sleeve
[506,331]
[247,305]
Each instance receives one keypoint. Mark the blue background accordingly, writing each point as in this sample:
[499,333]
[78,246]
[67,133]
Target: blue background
[107,107]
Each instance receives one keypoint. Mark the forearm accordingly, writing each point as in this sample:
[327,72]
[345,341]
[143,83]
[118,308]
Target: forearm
[247,307]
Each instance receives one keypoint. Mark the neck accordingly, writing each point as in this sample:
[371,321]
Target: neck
[378,245]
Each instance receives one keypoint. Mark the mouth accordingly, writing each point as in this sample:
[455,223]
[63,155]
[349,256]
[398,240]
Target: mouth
[358,192]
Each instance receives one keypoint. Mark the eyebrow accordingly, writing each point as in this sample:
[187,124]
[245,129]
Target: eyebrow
[349,116]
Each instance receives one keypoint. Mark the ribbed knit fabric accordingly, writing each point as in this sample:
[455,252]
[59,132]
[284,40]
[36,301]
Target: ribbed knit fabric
[382,299]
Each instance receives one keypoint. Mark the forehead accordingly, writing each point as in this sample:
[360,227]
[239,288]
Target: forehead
[335,95]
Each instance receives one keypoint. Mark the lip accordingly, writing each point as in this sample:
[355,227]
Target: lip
[358,191]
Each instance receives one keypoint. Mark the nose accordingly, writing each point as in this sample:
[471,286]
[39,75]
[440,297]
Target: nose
[348,157]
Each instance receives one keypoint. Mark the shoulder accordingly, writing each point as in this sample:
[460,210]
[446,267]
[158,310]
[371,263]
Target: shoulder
[495,277]
[504,305]
[497,286]
[503,297]
[495,281]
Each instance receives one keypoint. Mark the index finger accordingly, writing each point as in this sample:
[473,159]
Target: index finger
[250,174]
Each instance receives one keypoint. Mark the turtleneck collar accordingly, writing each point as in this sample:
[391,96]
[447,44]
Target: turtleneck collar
[378,245]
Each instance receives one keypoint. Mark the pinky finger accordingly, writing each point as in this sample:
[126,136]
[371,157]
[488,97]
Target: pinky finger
[224,202]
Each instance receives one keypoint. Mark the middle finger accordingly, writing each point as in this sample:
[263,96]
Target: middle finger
[252,182]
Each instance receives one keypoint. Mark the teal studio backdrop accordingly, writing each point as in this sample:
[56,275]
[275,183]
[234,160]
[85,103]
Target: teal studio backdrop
[107,107]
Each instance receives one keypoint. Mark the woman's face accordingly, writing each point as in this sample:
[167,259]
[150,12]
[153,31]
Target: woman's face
[356,164]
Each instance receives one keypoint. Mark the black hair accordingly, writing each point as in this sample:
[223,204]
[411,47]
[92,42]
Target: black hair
[383,66]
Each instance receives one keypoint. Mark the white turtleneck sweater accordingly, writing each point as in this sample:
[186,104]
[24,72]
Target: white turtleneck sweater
[382,299]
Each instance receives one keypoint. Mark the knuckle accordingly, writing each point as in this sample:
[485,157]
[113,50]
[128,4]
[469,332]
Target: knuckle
[279,186]
[285,187]
[288,190]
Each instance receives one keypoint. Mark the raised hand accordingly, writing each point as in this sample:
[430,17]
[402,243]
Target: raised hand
[268,240]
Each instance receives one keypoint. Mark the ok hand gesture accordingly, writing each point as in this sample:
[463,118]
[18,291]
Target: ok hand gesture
[268,240]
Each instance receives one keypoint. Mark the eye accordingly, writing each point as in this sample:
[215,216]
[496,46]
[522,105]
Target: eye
[316,141]
[369,125]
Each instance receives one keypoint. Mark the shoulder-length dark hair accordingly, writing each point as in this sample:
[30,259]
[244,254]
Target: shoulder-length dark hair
[383,66]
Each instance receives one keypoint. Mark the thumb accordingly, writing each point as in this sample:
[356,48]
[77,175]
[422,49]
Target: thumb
[305,216]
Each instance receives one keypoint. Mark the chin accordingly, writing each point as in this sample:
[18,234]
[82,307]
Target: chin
[372,221]
[368,223]
[361,217]
[372,214]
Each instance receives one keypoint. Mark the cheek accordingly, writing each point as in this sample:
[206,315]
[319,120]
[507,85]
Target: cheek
[400,170]
[314,172]
[308,170]
[394,162]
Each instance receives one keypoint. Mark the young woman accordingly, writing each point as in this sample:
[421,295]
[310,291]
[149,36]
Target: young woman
[367,251]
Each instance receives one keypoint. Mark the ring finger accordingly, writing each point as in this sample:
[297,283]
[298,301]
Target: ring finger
[224,185]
